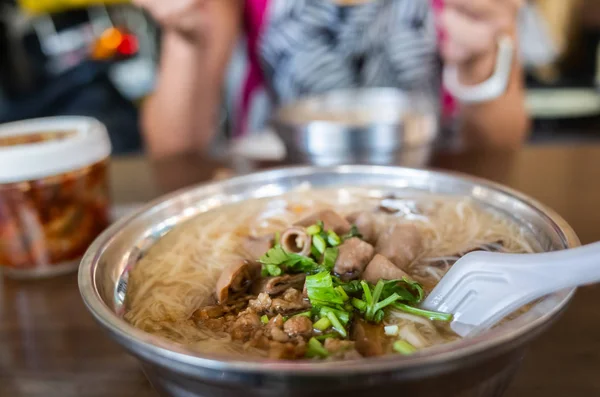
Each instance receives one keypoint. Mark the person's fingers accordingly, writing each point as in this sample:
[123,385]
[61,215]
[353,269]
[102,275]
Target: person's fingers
[454,53]
[473,36]
[169,12]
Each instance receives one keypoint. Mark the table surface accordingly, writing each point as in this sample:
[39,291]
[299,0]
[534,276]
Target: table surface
[50,346]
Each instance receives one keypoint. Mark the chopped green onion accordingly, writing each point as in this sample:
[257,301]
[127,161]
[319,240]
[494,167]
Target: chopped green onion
[264,319]
[416,286]
[337,326]
[319,243]
[351,287]
[352,233]
[391,330]
[316,349]
[303,314]
[359,304]
[314,251]
[333,239]
[326,336]
[367,292]
[276,260]
[313,229]
[329,258]
[447,317]
[322,324]
[343,316]
[386,302]
[404,347]
[348,307]
[377,291]
[271,270]
[342,293]
[374,308]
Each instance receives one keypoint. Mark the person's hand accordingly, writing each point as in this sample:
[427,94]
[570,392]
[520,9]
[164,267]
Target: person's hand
[471,31]
[187,18]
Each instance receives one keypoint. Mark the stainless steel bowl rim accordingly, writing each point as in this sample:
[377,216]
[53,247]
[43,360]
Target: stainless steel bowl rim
[157,349]
[280,122]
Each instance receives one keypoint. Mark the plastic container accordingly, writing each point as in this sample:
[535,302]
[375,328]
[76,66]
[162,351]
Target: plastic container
[54,193]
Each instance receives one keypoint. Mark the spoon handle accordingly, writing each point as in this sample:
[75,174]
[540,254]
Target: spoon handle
[552,271]
[484,287]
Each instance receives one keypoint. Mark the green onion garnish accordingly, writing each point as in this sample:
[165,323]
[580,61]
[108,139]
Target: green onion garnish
[264,319]
[319,243]
[314,251]
[386,302]
[337,326]
[367,292]
[322,324]
[333,239]
[359,304]
[404,347]
[342,293]
[447,317]
[329,258]
[303,314]
[316,349]
[313,229]
[352,233]
[343,316]
[326,336]
[271,270]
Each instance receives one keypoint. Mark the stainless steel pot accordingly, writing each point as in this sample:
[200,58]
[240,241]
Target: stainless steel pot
[359,126]
[479,366]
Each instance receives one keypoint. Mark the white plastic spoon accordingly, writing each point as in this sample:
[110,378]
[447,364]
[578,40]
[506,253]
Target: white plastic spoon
[482,287]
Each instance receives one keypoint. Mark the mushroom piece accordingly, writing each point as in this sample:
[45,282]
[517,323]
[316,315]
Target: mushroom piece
[331,221]
[380,268]
[296,240]
[400,243]
[353,256]
[235,279]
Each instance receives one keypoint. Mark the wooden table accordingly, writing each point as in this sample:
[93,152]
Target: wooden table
[51,347]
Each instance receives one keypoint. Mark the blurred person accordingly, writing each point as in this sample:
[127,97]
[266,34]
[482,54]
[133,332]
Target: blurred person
[302,47]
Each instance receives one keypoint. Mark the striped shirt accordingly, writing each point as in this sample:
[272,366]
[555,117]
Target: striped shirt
[302,47]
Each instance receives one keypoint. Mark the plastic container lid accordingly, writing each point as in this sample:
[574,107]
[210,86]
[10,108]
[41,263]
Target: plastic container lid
[58,145]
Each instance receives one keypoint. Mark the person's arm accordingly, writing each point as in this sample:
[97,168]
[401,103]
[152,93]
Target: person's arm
[473,27]
[198,39]
[501,123]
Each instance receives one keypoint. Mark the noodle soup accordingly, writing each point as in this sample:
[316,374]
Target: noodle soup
[333,274]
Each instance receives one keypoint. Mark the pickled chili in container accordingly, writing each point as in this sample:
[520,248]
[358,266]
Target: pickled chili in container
[54,193]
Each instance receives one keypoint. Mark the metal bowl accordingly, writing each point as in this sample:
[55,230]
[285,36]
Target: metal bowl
[472,367]
[359,126]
